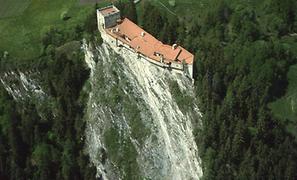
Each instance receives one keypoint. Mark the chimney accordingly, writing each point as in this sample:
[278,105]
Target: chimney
[142,34]
[174,46]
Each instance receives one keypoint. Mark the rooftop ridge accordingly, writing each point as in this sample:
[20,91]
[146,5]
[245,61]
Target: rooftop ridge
[149,45]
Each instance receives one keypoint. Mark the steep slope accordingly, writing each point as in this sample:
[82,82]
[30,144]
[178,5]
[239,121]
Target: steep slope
[135,127]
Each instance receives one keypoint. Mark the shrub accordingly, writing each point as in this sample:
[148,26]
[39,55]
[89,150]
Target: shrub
[65,16]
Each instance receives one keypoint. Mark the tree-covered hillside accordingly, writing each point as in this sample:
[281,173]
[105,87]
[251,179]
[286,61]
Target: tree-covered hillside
[243,50]
[246,51]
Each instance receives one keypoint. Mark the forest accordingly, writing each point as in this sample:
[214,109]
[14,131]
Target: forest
[49,146]
[243,52]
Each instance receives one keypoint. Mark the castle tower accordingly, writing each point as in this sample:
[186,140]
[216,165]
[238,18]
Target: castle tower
[107,17]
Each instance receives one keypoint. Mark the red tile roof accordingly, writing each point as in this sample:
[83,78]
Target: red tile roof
[148,45]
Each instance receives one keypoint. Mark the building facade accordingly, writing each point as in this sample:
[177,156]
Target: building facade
[123,33]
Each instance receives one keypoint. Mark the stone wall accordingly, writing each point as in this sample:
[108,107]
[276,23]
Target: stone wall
[100,21]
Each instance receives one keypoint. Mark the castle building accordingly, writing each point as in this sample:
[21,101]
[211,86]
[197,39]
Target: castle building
[123,33]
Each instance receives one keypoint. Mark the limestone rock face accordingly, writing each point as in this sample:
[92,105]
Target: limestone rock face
[135,127]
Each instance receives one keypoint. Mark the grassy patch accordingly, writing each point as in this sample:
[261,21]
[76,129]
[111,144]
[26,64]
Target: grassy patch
[11,8]
[286,107]
[21,35]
